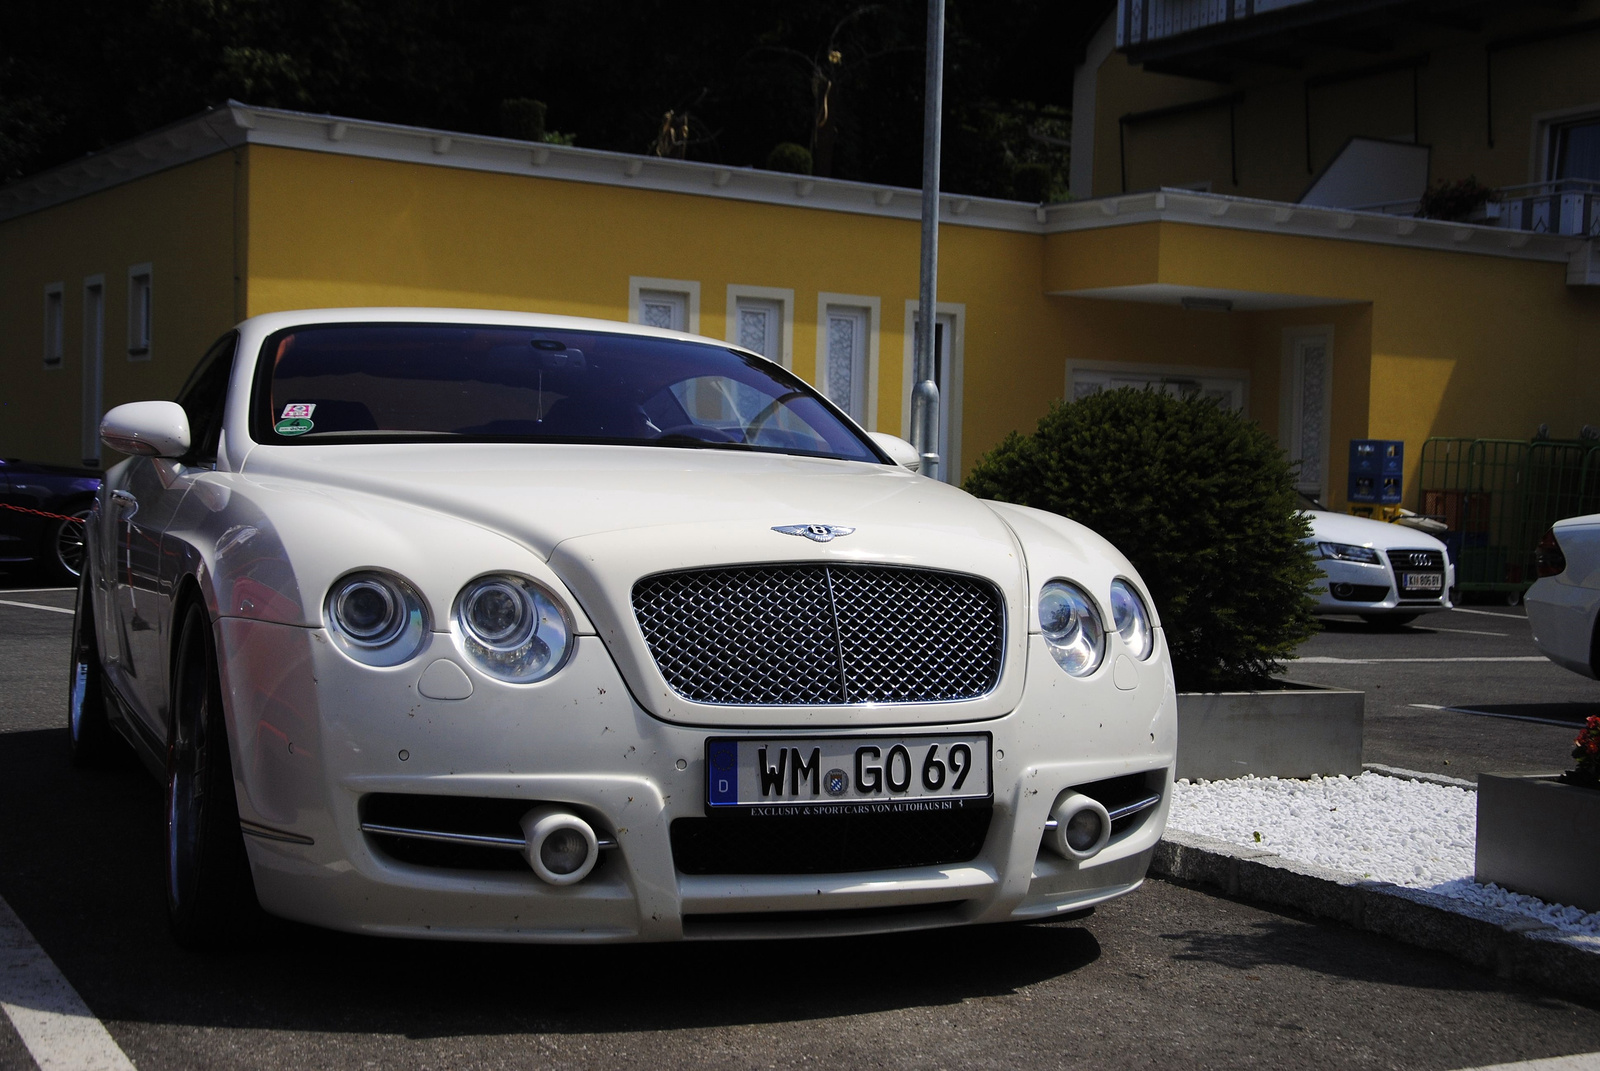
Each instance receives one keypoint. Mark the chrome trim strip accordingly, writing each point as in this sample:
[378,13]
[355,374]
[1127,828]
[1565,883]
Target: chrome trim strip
[1121,812]
[1134,808]
[478,840]
[268,833]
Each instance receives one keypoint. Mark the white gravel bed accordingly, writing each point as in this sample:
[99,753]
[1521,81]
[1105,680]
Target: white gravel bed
[1408,833]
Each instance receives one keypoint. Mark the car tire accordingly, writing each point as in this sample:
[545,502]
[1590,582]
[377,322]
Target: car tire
[1387,622]
[93,743]
[211,902]
[64,546]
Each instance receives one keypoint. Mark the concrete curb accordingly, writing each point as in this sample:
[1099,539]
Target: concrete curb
[1510,945]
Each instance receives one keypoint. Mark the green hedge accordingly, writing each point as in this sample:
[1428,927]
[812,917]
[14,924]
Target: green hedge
[1202,502]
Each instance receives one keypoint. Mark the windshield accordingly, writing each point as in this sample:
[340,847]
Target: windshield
[428,382]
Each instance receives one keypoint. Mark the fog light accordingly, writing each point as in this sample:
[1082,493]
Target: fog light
[564,851]
[1342,591]
[1083,830]
[1081,827]
[562,848]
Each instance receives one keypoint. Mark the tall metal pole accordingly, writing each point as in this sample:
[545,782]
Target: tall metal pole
[925,395]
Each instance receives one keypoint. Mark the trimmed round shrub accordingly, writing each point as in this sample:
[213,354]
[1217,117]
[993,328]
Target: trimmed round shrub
[787,156]
[1202,502]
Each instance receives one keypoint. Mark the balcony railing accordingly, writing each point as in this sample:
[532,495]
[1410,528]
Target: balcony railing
[1569,206]
[1143,21]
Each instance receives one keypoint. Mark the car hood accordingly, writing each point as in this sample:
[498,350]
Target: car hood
[545,495]
[1330,527]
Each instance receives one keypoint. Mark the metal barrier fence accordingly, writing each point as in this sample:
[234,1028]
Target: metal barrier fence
[1497,497]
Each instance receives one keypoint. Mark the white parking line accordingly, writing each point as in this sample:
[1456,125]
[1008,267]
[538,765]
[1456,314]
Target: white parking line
[1582,1061]
[31,591]
[1328,660]
[1463,631]
[1488,613]
[36,606]
[53,1021]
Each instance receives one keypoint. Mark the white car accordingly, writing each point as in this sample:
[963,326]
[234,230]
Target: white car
[461,624]
[1389,574]
[1564,601]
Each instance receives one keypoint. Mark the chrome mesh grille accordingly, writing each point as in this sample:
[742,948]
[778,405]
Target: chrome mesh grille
[814,634]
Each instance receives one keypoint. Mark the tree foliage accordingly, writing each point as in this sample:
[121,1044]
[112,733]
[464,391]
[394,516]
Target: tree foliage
[720,80]
[1202,502]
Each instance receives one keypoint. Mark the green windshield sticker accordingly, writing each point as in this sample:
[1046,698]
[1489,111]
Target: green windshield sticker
[292,426]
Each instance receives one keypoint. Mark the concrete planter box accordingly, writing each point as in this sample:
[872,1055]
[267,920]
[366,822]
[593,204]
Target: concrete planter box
[1540,837]
[1302,730]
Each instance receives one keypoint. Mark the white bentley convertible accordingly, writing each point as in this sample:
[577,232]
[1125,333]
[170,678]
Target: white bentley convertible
[485,625]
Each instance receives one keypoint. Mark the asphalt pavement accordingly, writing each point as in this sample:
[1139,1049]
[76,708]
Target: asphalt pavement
[1420,678]
[1167,977]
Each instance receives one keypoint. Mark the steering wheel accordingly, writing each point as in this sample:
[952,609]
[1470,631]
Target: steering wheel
[697,431]
[752,429]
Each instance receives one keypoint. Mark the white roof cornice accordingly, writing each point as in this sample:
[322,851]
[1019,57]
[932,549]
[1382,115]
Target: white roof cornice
[1308,221]
[238,124]
[181,143]
[476,152]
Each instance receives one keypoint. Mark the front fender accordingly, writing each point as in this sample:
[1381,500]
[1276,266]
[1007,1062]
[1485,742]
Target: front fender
[269,549]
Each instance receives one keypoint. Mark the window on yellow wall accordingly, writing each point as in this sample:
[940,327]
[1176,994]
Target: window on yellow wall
[55,320]
[1575,150]
[760,326]
[843,377]
[141,302]
[665,309]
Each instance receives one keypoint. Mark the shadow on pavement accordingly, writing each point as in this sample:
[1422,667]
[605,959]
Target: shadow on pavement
[1573,714]
[1288,939]
[84,874]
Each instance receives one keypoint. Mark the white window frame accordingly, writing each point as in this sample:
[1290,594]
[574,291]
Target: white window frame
[1544,124]
[951,399]
[873,308]
[1291,403]
[55,326]
[1185,371]
[687,288]
[141,314]
[92,406]
[781,296]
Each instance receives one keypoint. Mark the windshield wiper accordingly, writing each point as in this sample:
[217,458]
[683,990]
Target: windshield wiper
[695,442]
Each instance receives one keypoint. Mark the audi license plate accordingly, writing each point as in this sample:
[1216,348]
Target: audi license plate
[1422,581]
[847,775]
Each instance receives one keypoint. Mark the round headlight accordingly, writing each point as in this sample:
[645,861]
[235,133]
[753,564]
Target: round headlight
[376,618]
[512,629]
[1071,627]
[1131,619]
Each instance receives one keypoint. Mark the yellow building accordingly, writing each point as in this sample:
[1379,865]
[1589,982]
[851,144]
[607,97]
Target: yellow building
[1324,324]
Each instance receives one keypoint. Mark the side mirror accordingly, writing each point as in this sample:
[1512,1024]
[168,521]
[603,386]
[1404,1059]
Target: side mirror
[151,429]
[901,452]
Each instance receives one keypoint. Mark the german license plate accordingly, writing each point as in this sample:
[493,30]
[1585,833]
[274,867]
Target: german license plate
[846,775]
[1422,581]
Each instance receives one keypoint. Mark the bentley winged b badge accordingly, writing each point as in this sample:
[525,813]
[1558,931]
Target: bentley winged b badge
[817,533]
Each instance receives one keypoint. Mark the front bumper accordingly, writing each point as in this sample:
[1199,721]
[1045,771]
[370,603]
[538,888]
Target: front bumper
[313,732]
[1359,588]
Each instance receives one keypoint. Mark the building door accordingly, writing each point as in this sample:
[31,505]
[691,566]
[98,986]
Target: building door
[1307,405]
[94,359]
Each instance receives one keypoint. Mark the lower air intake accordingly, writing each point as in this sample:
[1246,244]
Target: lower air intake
[828,844]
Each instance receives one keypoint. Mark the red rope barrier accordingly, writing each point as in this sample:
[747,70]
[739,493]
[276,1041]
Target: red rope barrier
[41,513]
